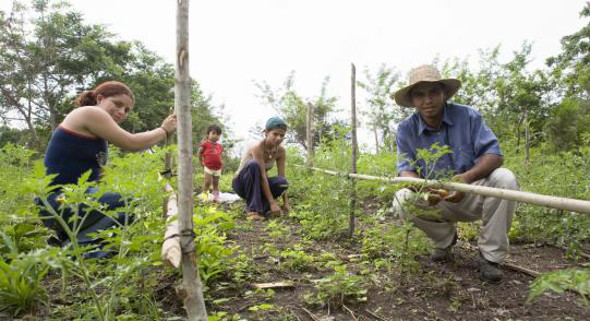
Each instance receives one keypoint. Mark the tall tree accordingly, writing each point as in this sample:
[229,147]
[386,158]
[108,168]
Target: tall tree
[380,110]
[292,107]
[572,63]
[523,96]
[571,70]
[49,54]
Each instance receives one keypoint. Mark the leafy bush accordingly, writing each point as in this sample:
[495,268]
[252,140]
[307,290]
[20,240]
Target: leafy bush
[577,280]
[337,289]
[20,284]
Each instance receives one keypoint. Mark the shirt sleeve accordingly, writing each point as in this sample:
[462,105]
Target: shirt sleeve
[405,154]
[201,148]
[485,142]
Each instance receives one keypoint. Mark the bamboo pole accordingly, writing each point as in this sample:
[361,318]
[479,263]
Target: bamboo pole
[309,134]
[171,252]
[562,203]
[191,289]
[354,146]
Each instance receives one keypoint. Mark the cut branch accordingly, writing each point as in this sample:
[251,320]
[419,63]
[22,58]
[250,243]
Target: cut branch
[562,203]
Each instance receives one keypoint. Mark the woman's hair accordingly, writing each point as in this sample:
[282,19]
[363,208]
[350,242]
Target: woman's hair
[213,128]
[106,89]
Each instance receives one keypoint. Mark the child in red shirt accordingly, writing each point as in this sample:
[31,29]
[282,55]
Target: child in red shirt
[210,157]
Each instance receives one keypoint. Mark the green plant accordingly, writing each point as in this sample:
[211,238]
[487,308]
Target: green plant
[20,284]
[21,237]
[577,279]
[296,259]
[214,256]
[338,289]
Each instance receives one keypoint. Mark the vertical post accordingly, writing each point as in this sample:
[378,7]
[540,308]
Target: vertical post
[527,139]
[309,134]
[191,288]
[354,147]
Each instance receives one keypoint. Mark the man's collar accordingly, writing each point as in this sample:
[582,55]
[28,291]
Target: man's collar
[446,119]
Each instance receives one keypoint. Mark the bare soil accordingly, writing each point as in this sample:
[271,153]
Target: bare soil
[450,291]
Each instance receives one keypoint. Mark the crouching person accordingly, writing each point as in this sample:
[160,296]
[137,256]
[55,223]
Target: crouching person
[80,144]
[251,181]
[475,159]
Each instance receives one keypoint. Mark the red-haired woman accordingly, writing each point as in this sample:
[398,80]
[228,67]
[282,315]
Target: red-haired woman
[79,144]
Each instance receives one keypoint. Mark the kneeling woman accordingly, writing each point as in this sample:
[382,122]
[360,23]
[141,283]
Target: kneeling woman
[251,181]
[79,144]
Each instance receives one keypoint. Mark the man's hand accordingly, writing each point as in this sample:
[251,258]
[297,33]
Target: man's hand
[433,199]
[275,210]
[456,196]
[436,195]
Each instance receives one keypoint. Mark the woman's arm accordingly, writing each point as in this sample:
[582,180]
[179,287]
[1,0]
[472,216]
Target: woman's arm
[98,122]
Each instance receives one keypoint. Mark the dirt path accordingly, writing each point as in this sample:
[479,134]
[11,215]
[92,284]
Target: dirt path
[450,291]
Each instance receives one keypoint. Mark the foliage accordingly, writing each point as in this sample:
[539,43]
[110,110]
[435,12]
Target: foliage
[337,289]
[20,284]
[577,279]
[571,65]
[292,107]
[380,110]
[296,259]
[50,54]
[210,225]
[565,131]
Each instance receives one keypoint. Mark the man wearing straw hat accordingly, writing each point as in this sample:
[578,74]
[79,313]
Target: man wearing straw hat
[475,159]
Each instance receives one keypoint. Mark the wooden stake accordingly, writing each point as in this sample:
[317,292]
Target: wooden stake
[562,203]
[309,134]
[171,252]
[354,146]
[194,302]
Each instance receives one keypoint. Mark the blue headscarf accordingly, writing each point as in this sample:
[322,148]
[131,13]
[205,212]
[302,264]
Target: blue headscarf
[275,122]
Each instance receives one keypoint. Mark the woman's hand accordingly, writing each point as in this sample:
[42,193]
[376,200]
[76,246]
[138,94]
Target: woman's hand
[286,208]
[169,124]
[275,210]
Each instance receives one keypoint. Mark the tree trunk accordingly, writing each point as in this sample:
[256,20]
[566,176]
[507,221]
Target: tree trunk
[376,139]
[191,282]
[309,134]
[354,150]
[527,139]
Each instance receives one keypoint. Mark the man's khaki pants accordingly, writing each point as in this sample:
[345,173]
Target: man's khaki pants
[495,213]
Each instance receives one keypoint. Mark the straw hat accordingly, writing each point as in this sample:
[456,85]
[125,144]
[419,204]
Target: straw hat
[424,73]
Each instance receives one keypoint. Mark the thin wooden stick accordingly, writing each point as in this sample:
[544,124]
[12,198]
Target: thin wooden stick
[374,315]
[311,315]
[351,313]
[354,147]
[506,264]
[309,134]
[192,289]
[520,269]
[562,203]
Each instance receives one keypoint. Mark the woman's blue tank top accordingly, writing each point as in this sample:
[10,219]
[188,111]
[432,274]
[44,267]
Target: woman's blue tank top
[70,155]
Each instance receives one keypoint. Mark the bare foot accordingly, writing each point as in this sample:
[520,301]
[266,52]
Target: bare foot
[255,216]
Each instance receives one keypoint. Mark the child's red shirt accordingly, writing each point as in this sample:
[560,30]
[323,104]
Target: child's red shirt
[212,155]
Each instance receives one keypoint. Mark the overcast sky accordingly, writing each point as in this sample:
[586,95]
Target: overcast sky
[235,42]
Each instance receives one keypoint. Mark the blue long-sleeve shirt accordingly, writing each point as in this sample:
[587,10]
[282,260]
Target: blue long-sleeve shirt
[462,129]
